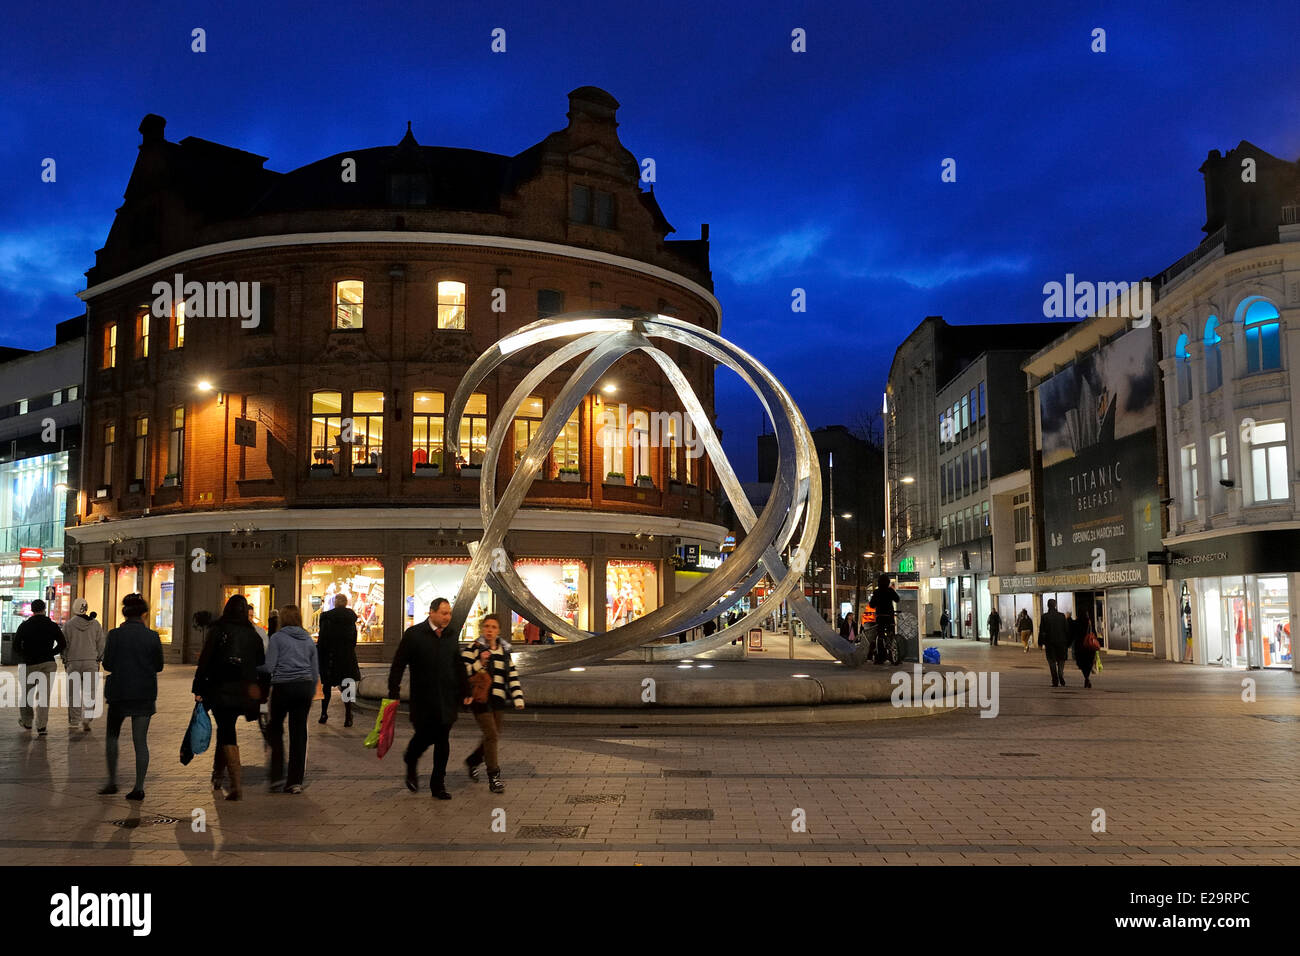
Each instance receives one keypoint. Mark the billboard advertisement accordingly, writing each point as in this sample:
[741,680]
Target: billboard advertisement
[1097,435]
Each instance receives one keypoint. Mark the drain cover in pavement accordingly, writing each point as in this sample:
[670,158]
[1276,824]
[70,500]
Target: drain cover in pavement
[538,831]
[614,798]
[144,822]
[688,773]
[687,814]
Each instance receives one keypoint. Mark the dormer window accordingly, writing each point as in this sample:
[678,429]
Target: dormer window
[593,207]
[408,189]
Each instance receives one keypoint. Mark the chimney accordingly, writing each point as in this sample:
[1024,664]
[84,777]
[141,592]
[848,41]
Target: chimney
[151,128]
[704,231]
[593,103]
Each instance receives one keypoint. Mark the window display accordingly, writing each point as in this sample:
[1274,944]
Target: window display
[1275,621]
[127,583]
[93,591]
[361,580]
[429,578]
[161,605]
[631,591]
[560,584]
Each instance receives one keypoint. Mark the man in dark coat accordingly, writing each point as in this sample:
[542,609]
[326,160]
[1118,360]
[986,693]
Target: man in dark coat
[439,687]
[1054,635]
[336,648]
[36,642]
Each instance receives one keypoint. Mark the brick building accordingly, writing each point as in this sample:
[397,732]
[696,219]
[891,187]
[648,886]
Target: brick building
[302,456]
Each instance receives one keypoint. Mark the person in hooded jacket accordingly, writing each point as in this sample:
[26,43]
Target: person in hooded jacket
[292,663]
[133,657]
[85,640]
[226,683]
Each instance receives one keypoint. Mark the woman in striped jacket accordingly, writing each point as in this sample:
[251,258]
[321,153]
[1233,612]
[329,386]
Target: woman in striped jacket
[495,684]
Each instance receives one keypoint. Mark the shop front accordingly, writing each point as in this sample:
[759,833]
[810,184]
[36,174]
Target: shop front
[965,569]
[1232,598]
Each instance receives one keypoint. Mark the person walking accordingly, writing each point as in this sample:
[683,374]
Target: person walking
[882,602]
[337,646]
[439,687]
[849,629]
[294,669]
[85,640]
[133,658]
[1054,636]
[945,624]
[1085,656]
[36,642]
[1025,627]
[995,625]
[494,686]
[226,683]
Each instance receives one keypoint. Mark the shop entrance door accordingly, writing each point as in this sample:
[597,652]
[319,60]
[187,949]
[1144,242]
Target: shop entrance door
[260,597]
[1099,616]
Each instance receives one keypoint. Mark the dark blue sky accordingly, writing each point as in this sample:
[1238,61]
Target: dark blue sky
[818,170]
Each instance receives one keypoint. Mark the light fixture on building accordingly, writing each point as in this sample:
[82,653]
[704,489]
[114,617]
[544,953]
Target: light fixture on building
[204,385]
[609,388]
[907,479]
[846,515]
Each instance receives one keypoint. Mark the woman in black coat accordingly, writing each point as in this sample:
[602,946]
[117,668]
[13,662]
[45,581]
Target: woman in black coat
[1085,658]
[226,682]
[133,657]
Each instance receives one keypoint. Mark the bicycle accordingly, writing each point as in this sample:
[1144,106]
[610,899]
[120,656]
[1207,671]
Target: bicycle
[886,643]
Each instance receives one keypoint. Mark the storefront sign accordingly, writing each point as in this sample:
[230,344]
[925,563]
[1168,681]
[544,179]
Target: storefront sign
[31,554]
[1252,552]
[907,564]
[1114,576]
[1096,431]
[11,575]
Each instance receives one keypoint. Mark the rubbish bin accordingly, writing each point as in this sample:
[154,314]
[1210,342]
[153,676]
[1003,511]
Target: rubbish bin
[7,657]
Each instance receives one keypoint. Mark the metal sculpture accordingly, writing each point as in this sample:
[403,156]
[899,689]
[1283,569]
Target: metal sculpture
[794,506]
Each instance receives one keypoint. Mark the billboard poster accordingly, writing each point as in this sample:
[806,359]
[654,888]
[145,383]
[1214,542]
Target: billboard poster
[1097,435]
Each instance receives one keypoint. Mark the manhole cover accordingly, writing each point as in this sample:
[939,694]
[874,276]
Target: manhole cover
[614,798]
[1279,718]
[687,814]
[1016,754]
[688,773]
[144,822]
[536,831]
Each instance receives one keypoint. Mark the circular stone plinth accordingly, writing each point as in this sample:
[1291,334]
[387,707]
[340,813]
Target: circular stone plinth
[637,686]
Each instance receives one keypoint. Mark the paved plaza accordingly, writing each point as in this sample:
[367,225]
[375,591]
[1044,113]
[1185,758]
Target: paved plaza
[1185,771]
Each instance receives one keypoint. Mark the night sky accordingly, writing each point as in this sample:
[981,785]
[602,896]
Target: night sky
[817,170]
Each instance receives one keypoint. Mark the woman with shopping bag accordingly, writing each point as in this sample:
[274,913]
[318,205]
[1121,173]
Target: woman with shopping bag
[494,686]
[226,682]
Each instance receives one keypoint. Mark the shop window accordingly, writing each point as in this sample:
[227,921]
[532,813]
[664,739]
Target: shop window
[631,591]
[1262,328]
[549,302]
[128,582]
[361,580]
[1266,444]
[1219,473]
[142,335]
[527,424]
[1274,622]
[140,460]
[1183,374]
[367,430]
[92,589]
[451,305]
[427,424]
[348,302]
[161,600]
[558,583]
[326,427]
[474,430]
[108,354]
[110,442]
[176,444]
[430,578]
[178,325]
[1191,482]
[1213,358]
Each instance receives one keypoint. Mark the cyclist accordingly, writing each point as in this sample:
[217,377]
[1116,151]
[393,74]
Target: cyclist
[882,602]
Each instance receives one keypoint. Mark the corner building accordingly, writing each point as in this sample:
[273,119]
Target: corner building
[218,458]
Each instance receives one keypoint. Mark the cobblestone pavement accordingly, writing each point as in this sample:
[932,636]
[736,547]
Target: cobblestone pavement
[1184,769]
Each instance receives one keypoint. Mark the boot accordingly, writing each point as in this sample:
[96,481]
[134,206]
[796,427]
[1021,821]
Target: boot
[347,714]
[218,767]
[324,712]
[438,789]
[494,782]
[236,773]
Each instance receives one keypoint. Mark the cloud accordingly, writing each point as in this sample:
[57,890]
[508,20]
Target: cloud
[766,258]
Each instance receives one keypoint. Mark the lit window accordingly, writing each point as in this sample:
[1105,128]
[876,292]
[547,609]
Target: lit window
[527,424]
[474,430]
[1267,446]
[1263,328]
[451,305]
[176,444]
[178,326]
[611,435]
[427,424]
[1191,482]
[367,429]
[326,427]
[1213,359]
[565,450]
[348,298]
[639,440]
[142,335]
[140,461]
[1183,363]
[108,358]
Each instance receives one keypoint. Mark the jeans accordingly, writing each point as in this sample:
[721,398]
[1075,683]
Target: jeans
[490,720]
[139,736]
[36,698]
[426,736]
[291,699]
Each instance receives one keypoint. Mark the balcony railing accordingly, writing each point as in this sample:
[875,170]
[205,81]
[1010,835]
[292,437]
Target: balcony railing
[1291,215]
[1208,245]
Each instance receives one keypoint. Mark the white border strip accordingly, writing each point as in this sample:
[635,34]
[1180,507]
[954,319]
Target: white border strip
[427,238]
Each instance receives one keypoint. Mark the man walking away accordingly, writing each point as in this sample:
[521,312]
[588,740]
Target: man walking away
[1054,635]
[995,625]
[439,687]
[945,624]
[337,649]
[85,639]
[133,657]
[36,642]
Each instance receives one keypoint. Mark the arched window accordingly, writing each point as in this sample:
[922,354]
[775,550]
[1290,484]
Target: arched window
[1184,374]
[1213,360]
[1263,334]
